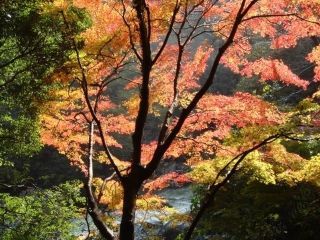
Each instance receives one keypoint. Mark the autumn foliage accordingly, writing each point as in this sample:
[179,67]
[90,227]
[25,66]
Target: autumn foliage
[142,78]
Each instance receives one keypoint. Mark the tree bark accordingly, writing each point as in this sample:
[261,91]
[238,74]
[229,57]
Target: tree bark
[93,208]
[96,216]
[128,212]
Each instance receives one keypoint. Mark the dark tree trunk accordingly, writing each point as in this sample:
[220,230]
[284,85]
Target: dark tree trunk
[131,185]
[128,212]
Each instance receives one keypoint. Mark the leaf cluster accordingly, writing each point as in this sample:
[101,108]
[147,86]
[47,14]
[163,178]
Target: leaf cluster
[40,214]
[271,197]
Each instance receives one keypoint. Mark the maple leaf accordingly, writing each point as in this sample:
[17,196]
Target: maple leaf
[273,70]
[165,180]
[314,57]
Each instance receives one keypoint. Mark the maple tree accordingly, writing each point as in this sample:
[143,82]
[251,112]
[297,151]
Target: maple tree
[149,55]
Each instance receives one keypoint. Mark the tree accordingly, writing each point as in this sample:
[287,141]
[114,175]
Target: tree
[150,44]
[33,42]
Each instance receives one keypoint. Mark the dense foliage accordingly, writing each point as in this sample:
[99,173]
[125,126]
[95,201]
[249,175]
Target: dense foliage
[41,214]
[33,43]
[267,199]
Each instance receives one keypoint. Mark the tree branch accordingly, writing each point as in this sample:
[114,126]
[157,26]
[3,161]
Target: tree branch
[214,187]
[165,41]
[146,65]
[84,86]
[93,208]
[161,149]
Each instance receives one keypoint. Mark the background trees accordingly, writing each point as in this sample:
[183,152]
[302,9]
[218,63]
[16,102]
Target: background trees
[33,43]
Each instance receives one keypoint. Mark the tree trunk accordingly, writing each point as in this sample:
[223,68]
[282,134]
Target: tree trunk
[128,212]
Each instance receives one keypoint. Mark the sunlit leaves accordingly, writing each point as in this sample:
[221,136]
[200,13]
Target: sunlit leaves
[165,181]
[314,57]
[311,170]
[109,193]
[220,113]
[271,70]
[150,202]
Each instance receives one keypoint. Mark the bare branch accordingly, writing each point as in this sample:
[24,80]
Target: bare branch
[165,41]
[93,207]
[268,16]
[84,86]
[123,15]
[169,113]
